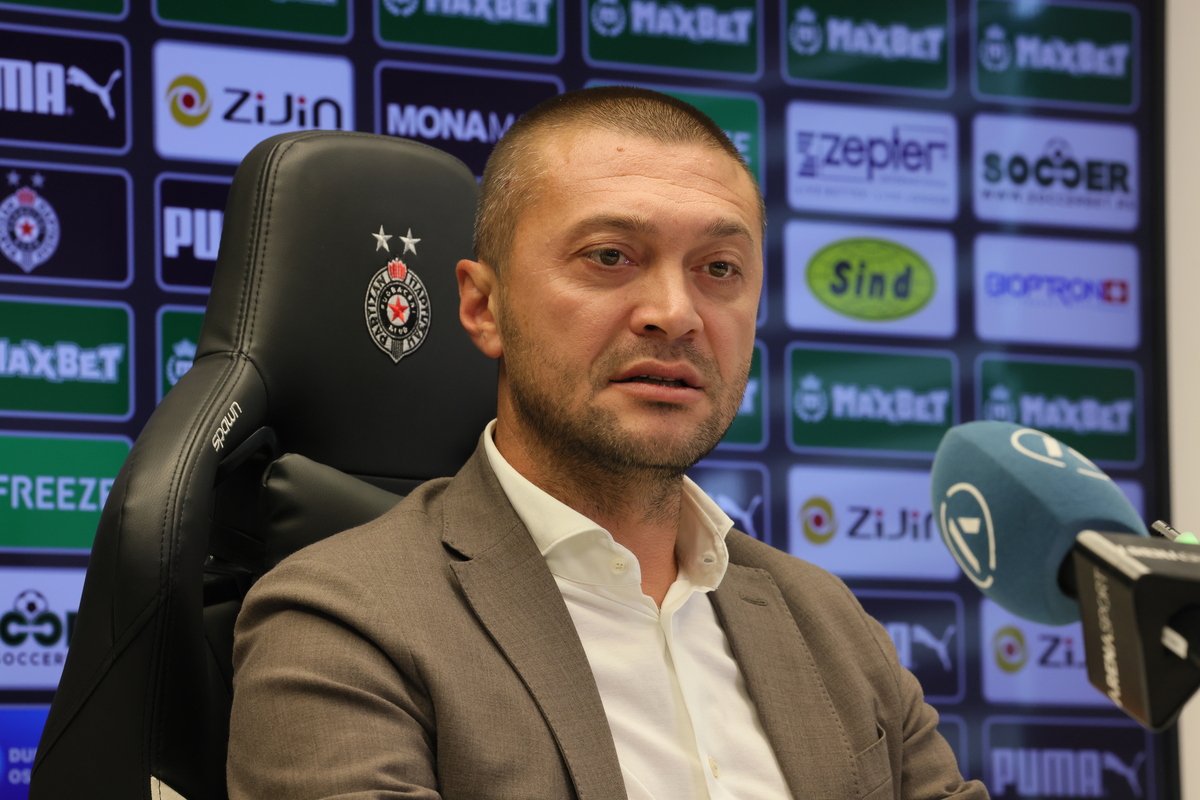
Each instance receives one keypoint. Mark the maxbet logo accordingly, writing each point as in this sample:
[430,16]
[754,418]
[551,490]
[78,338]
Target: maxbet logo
[859,43]
[529,30]
[213,103]
[65,359]
[721,36]
[1079,54]
[63,89]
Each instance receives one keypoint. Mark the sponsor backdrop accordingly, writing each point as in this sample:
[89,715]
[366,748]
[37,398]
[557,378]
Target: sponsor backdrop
[964,199]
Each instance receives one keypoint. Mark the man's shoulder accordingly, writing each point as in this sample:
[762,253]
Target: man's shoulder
[785,568]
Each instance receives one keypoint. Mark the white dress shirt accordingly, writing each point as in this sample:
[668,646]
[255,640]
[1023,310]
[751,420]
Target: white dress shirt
[676,702]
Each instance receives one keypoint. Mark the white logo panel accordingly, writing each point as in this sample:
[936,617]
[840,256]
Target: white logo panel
[1032,664]
[1057,291]
[866,523]
[1055,172]
[37,617]
[215,102]
[869,160]
[806,312]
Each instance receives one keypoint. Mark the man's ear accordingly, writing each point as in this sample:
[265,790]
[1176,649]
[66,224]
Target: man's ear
[478,300]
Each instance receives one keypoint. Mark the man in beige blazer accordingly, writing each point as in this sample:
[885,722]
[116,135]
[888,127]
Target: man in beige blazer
[570,617]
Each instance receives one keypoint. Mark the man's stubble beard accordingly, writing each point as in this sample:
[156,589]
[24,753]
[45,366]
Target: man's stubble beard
[593,441]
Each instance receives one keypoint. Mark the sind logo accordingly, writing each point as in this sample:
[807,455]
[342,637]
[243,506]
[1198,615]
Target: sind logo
[871,279]
[190,104]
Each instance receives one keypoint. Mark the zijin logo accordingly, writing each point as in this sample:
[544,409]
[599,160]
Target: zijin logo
[818,520]
[190,104]
[216,102]
[891,42]
[1010,649]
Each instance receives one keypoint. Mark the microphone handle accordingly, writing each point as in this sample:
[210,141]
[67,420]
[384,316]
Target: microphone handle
[1181,635]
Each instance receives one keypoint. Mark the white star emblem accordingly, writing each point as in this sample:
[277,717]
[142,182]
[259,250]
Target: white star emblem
[381,240]
[38,180]
[409,242]
[14,177]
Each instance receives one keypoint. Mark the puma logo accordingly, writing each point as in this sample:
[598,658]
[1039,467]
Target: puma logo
[77,77]
[1113,763]
[743,516]
[922,635]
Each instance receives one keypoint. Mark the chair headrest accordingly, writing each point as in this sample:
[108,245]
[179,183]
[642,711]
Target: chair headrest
[335,279]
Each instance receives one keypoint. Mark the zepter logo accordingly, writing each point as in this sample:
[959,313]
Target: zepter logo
[964,512]
[1009,647]
[1053,452]
[818,520]
[190,103]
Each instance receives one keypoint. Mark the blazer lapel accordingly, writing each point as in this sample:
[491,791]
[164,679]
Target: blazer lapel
[782,679]
[506,582]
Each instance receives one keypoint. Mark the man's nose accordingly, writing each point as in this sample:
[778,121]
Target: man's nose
[666,304]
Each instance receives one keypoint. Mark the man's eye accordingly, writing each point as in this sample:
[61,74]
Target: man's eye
[720,269]
[609,256]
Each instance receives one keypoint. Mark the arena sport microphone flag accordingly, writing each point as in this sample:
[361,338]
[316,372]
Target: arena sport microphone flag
[1009,502]
[1048,536]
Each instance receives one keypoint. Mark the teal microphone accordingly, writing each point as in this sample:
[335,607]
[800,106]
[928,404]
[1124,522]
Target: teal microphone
[1009,502]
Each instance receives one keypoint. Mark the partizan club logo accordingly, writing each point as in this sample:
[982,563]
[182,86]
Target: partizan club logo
[397,304]
[29,229]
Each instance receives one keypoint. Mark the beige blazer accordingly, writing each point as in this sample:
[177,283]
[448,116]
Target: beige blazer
[429,654]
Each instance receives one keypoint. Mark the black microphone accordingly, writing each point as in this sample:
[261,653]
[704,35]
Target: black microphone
[1048,536]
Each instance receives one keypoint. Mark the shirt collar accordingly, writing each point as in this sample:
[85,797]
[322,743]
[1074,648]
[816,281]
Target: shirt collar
[579,550]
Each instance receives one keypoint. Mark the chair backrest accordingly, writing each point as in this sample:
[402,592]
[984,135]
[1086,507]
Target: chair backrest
[332,332]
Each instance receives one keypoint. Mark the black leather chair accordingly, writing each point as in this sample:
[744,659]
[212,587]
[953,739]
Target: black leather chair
[308,315]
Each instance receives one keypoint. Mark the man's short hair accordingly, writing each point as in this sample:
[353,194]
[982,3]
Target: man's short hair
[515,165]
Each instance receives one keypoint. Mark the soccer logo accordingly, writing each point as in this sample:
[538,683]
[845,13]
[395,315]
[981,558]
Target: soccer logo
[29,229]
[397,304]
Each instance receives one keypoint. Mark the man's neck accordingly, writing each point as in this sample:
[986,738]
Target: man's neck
[641,510]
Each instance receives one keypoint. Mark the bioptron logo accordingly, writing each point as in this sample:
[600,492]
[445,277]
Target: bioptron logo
[866,523]
[871,160]
[1057,291]
[1056,172]
[215,102]
[867,279]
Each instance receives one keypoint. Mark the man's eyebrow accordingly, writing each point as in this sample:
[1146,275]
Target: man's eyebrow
[621,222]
[726,229]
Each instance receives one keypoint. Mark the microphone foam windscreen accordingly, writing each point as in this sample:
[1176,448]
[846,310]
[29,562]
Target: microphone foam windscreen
[1009,502]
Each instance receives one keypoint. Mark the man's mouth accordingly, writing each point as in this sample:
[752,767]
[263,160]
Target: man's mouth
[657,381]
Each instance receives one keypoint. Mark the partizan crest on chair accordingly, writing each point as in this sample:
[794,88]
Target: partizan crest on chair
[397,304]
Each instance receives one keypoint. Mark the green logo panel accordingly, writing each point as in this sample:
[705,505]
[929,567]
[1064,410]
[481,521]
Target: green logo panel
[885,401]
[329,18]
[65,359]
[52,488]
[880,44]
[521,29]
[178,333]
[1080,54]
[114,8]
[722,36]
[749,428]
[1093,407]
